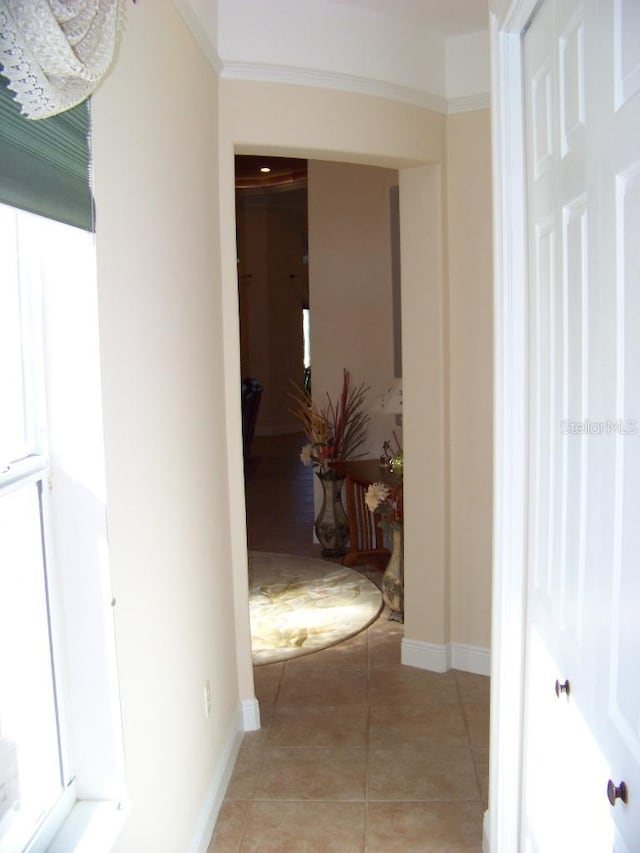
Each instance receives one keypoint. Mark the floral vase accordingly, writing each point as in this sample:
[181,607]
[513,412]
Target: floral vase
[332,524]
[393,578]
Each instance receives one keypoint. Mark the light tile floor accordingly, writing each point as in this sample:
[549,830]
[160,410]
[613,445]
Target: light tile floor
[356,752]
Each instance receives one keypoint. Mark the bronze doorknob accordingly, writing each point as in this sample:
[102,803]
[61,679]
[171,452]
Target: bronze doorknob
[617,792]
[563,688]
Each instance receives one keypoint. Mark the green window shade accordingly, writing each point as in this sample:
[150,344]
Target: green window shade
[44,164]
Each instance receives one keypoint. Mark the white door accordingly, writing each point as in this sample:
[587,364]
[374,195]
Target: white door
[582,96]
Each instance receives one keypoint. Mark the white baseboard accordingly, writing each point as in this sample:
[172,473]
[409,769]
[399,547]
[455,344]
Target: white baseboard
[250,715]
[439,658]
[429,656]
[217,788]
[474,659]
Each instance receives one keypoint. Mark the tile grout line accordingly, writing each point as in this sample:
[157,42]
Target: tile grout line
[379,658]
[468,733]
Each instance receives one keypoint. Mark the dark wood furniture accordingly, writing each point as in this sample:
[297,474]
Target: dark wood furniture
[251,393]
[366,539]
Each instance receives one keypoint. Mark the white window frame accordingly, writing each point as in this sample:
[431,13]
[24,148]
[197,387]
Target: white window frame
[94,802]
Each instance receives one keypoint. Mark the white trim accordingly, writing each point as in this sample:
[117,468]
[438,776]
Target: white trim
[30,469]
[250,715]
[474,659]
[440,658]
[508,21]
[469,103]
[297,76]
[210,808]
[431,656]
[91,825]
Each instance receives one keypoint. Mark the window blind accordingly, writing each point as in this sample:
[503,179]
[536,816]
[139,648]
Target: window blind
[44,164]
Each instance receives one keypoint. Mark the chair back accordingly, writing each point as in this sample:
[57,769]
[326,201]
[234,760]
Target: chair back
[367,541]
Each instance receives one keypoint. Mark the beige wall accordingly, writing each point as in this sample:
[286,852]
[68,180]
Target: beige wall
[324,124]
[350,283]
[424,402]
[470,308]
[271,229]
[160,316]
[252,230]
[170,366]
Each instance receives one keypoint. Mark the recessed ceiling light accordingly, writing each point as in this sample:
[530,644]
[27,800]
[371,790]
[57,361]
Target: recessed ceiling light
[265,169]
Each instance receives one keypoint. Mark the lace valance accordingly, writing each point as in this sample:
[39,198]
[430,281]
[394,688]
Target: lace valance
[55,52]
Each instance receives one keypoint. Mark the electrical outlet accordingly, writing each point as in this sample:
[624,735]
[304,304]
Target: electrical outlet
[207,699]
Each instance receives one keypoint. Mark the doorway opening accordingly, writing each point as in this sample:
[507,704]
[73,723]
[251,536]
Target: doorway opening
[348,226]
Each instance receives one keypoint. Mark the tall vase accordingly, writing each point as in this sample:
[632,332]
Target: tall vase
[393,578]
[332,524]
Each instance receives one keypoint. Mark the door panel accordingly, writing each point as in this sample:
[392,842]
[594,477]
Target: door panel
[572,94]
[626,50]
[574,455]
[582,96]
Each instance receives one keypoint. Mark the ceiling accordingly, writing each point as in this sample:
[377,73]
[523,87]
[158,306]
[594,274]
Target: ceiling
[433,54]
[284,172]
[446,17]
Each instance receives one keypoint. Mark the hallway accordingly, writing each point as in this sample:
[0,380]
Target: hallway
[357,752]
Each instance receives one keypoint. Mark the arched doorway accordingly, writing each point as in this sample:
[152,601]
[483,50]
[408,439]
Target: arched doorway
[296,121]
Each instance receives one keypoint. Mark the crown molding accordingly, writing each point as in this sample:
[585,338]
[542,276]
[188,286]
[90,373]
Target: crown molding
[469,103]
[201,34]
[297,76]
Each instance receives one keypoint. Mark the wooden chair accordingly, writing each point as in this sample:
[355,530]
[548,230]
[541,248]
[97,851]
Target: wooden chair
[367,545]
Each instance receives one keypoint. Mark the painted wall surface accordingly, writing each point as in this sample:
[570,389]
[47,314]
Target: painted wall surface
[350,283]
[252,232]
[272,240]
[324,124]
[155,165]
[470,374]
[424,389]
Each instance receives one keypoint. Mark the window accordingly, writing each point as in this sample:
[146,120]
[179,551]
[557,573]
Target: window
[34,767]
[60,741]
